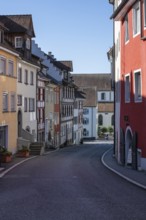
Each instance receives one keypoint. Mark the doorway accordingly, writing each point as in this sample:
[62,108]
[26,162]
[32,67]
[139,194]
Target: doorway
[19,123]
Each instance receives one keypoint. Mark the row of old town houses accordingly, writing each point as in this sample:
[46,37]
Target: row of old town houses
[128,65]
[38,97]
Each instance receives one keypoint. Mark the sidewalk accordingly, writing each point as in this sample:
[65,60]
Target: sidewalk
[16,161]
[136,177]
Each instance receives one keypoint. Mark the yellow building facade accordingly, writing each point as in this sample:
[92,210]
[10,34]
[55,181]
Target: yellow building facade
[8,99]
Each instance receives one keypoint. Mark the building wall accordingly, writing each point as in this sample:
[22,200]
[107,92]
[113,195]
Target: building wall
[90,127]
[117,70]
[9,119]
[29,91]
[133,58]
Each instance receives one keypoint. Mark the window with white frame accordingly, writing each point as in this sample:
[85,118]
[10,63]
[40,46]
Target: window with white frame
[136,18]
[13,102]
[31,78]
[145,13]
[19,100]
[28,43]
[85,111]
[10,68]
[103,96]
[3,65]
[25,104]
[85,132]
[18,42]
[26,77]
[5,102]
[127,88]
[20,74]
[126,29]
[85,121]
[138,95]
[31,104]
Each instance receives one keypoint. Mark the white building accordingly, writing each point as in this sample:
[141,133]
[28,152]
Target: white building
[78,117]
[98,103]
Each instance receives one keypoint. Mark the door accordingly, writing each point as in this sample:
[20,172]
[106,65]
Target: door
[19,123]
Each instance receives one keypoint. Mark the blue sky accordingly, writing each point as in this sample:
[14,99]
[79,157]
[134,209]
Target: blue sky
[77,30]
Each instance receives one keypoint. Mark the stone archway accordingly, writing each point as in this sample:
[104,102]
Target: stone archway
[128,146]
[19,123]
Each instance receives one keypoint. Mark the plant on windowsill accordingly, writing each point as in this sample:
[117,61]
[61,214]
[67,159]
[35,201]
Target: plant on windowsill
[5,155]
[23,152]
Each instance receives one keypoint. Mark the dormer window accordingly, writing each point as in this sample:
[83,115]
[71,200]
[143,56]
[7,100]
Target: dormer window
[28,43]
[18,42]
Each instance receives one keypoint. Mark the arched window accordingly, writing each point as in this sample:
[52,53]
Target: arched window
[100,120]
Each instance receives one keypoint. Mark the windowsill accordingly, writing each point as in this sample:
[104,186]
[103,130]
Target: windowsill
[138,100]
[127,102]
[126,42]
[135,35]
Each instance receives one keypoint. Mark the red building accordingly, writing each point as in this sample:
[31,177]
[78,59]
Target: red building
[132,17]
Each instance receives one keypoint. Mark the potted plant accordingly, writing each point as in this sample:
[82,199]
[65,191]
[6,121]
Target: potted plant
[23,152]
[6,156]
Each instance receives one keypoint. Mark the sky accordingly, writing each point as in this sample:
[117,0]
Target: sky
[76,30]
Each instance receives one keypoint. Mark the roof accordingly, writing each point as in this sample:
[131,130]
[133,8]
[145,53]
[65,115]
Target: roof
[105,107]
[61,65]
[100,81]
[122,9]
[18,23]
[79,95]
[90,100]
[68,63]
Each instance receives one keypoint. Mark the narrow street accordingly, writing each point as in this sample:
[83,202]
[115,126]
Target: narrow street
[69,184]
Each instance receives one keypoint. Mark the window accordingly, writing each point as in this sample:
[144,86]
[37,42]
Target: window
[5,102]
[85,121]
[112,120]
[85,111]
[1,36]
[127,88]
[144,12]
[10,68]
[100,120]
[31,104]
[138,96]
[19,100]
[103,96]
[31,78]
[13,102]
[28,43]
[136,19]
[26,77]
[18,42]
[126,29]
[2,65]
[20,74]
[85,132]
[25,104]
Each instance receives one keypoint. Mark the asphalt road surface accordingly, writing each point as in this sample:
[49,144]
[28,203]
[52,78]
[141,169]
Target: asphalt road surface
[69,184]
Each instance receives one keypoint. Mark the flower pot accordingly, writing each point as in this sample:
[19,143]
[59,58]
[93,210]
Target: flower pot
[23,153]
[6,158]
